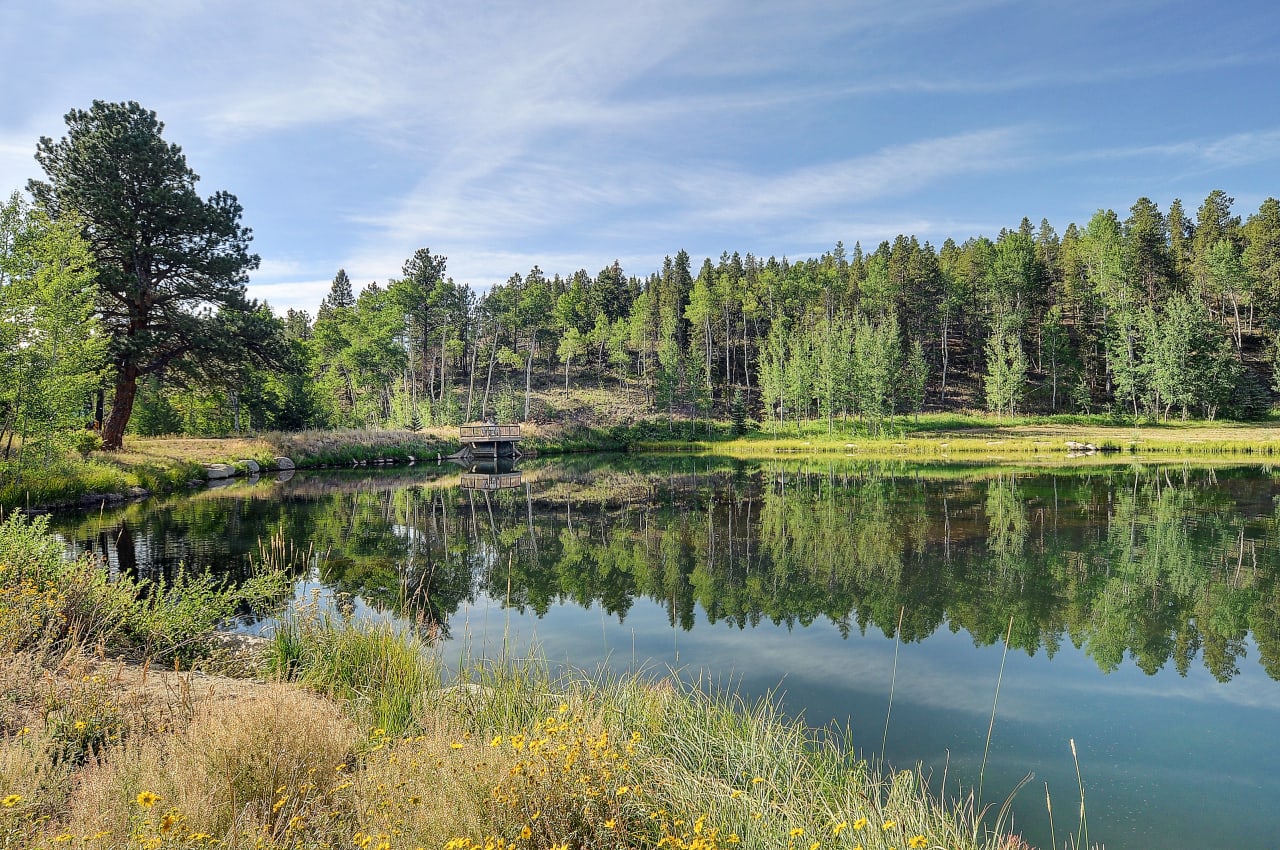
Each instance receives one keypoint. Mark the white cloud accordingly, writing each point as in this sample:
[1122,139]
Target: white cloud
[300,294]
[1237,149]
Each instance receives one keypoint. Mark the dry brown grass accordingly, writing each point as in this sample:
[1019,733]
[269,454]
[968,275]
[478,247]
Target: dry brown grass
[224,770]
[140,450]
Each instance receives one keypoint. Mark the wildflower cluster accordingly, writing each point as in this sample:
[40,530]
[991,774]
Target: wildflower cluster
[28,612]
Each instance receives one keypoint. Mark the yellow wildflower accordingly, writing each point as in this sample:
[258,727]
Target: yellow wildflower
[839,828]
[889,824]
[860,823]
[610,823]
[146,799]
[757,780]
[797,831]
[11,801]
[917,841]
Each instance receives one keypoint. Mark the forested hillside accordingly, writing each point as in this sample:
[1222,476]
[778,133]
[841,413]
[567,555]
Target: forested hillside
[1155,314]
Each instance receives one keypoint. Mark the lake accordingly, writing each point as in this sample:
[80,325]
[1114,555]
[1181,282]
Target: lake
[1141,606]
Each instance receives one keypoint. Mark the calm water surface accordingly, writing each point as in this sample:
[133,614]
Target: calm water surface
[1145,606]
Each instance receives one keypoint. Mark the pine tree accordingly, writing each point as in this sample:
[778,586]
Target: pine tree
[340,297]
[738,412]
[171,266]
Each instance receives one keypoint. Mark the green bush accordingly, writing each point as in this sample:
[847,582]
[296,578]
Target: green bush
[48,600]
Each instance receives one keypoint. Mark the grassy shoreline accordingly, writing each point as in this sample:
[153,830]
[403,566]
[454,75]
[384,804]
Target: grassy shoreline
[352,734]
[165,465]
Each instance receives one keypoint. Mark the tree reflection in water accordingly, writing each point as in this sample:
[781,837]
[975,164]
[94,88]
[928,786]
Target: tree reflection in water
[1157,564]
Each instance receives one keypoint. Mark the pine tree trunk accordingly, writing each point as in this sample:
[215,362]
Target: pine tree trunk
[946,327]
[528,376]
[488,381]
[471,380]
[121,407]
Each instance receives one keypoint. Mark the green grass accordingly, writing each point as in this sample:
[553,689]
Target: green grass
[164,465]
[381,673]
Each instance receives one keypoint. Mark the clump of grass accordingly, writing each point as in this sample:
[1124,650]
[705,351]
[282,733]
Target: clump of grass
[243,769]
[343,446]
[379,671]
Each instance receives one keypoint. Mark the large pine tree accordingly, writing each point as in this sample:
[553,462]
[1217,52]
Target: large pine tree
[171,265]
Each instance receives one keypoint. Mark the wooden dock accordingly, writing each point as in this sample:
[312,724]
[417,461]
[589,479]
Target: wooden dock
[490,440]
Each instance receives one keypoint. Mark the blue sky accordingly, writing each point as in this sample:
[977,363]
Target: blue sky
[570,134]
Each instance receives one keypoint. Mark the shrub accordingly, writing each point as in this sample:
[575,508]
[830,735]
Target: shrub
[49,601]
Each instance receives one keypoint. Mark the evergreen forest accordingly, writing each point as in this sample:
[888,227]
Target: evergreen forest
[1153,315]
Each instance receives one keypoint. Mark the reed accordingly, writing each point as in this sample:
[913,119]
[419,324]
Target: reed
[994,701]
[893,682]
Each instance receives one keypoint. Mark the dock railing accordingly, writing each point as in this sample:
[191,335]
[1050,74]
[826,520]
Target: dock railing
[487,433]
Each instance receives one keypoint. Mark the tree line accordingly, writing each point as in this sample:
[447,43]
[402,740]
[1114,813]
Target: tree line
[1153,315]
[1156,314]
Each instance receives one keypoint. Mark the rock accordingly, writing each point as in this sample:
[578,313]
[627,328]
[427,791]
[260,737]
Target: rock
[284,463]
[284,475]
[138,492]
[251,466]
[219,470]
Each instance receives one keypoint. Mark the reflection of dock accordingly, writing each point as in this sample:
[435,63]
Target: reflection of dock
[489,441]
[491,480]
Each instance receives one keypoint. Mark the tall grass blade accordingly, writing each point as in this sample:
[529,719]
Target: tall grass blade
[897,641]
[1048,804]
[995,700]
[1082,831]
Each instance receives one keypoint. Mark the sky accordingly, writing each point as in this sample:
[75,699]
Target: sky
[567,135]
